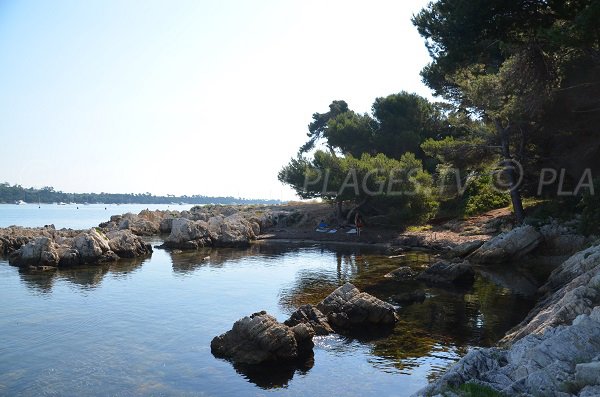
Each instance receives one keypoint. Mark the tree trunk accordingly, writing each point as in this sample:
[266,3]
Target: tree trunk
[515,194]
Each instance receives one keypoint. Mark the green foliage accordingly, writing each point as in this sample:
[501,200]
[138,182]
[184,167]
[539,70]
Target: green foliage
[590,211]
[401,184]
[399,124]
[480,196]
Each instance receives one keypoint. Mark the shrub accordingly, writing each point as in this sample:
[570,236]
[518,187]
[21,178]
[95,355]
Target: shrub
[481,196]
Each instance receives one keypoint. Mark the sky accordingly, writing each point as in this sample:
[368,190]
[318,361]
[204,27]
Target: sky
[188,97]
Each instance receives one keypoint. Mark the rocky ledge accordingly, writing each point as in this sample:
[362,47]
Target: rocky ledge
[46,248]
[555,351]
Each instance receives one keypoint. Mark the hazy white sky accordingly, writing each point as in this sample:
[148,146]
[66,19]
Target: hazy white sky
[187,97]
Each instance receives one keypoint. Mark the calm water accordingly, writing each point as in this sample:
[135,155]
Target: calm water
[75,216]
[144,327]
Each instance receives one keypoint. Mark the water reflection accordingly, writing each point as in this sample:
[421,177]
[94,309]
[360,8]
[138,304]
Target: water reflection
[274,376]
[82,277]
[445,325]
[178,301]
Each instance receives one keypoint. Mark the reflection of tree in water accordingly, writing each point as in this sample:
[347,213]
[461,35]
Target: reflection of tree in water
[449,322]
[365,270]
[274,376]
[85,277]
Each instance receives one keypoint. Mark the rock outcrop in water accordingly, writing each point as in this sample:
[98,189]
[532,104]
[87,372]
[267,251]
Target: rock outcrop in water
[347,308]
[70,248]
[555,351]
[312,317]
[201,226]
[259,338]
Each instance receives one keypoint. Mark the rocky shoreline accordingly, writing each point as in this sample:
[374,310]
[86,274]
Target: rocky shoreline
[555,351]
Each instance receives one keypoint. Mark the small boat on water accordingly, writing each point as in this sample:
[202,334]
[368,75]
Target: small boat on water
[20,202]
[61,203]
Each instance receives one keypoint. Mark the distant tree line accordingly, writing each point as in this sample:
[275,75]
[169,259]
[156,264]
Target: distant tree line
[13,193]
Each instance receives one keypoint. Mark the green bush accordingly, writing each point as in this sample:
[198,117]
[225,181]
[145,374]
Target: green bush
[480,196]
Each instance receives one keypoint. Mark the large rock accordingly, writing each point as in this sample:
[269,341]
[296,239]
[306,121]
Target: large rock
[127,245]
[508,246]
[40,251]
[543,365]
[187,234]
[554,350]
[347,308]
[448,273]
[311,316]
[259,338]
[572,289]
[93,247]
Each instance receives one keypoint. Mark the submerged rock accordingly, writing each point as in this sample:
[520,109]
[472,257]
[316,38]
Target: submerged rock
[402,273]
[259,338]
[407,298]
[507,246]
[347,308]
[448,273]
[311,316]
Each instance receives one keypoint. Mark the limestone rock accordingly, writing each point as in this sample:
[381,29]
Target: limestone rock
[348,308]
[92,245]
[311,316]
[508,246]
[40,251]
[127,245]
[187,234]
[572,289]
[260,338]
[535,365]
[588,373]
